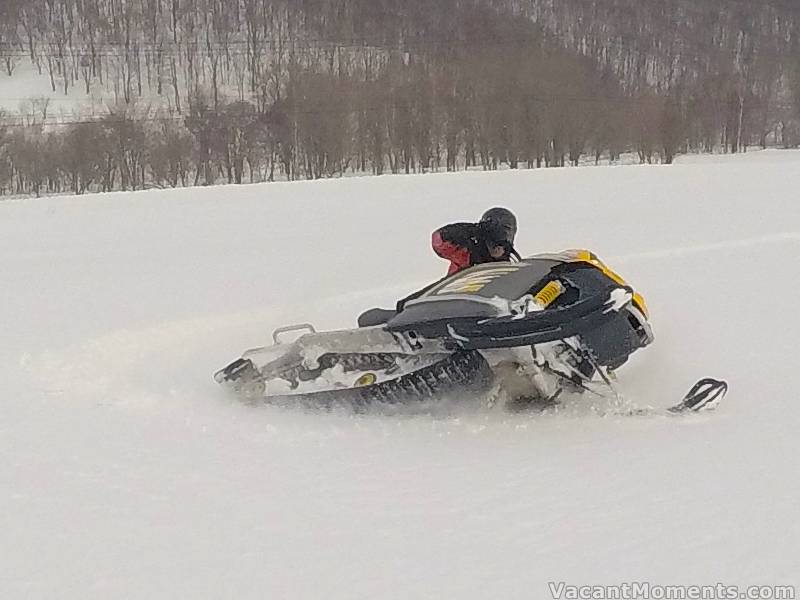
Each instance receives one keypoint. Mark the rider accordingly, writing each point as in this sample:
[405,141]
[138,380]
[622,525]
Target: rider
[464,245]
[489,240]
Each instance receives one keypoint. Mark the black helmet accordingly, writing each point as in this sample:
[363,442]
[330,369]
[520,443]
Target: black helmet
[502,222]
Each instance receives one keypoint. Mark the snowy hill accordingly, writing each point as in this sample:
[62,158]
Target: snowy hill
[128,474]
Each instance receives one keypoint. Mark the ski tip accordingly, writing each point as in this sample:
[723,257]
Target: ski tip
[706,394]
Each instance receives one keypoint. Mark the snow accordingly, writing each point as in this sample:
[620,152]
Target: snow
[26,84]
[619,298]
[127,473]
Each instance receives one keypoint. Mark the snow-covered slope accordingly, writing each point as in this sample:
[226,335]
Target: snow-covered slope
[126,473]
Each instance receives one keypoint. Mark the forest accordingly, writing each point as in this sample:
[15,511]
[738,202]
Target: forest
[199,92]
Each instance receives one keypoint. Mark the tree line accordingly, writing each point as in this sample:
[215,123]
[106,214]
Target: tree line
[206,91]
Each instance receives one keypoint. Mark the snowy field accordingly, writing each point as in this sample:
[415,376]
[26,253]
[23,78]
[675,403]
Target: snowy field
[126,472]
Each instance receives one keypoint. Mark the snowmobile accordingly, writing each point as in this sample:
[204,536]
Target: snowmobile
[532,330]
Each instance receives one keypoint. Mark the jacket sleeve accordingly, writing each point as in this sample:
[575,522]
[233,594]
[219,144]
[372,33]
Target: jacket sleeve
[456,243]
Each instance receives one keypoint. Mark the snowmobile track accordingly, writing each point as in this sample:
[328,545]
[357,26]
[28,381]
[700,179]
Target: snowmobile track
[459,372]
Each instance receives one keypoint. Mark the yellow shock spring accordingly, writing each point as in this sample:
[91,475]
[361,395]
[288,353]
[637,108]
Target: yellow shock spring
[548,294]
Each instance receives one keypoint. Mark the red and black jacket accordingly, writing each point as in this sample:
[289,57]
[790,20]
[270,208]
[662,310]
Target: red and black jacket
[462,244]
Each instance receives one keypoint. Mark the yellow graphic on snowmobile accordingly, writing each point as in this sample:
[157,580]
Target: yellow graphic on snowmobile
[475,282]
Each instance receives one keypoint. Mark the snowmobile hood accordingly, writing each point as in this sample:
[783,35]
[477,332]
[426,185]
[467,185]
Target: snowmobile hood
[480,292]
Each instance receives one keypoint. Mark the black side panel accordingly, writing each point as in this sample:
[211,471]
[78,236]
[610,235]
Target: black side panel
[613,342]
[535,328]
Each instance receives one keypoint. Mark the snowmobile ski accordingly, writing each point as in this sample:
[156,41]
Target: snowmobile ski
[706,394]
